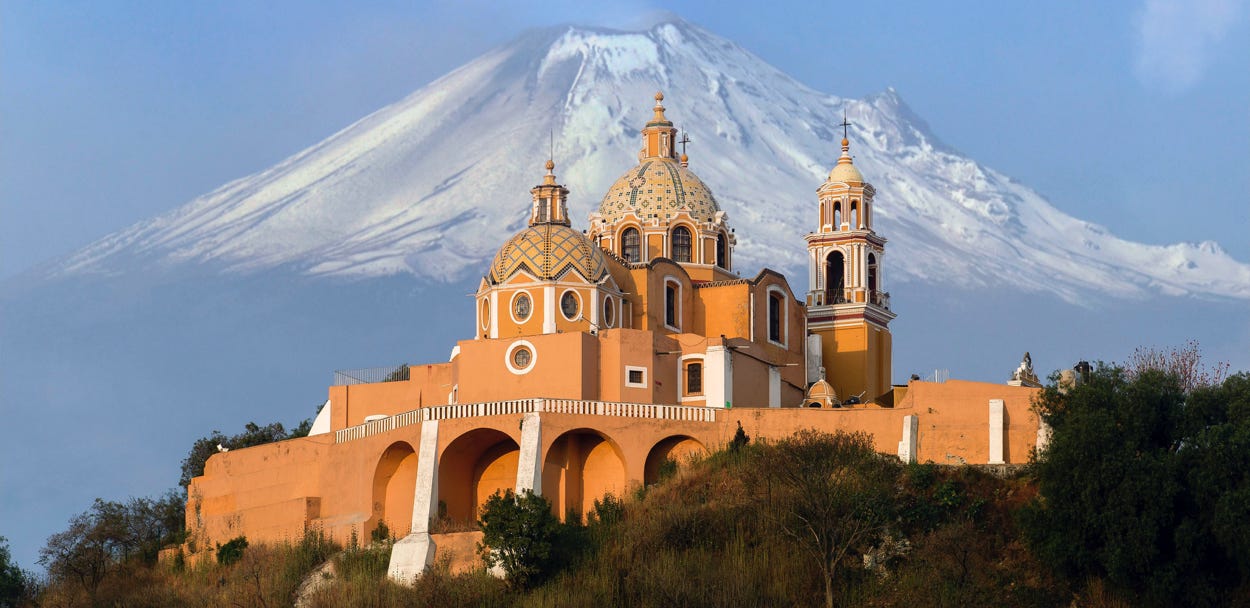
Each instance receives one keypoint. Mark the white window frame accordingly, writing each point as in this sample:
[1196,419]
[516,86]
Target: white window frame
[609,320]
[681,378]
[635,368]
[580,305]
[512,306]
[676,304]
[784,316]
[507,357]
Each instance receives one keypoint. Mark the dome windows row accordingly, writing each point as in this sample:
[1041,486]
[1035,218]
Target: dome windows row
[681,246]
[504,312]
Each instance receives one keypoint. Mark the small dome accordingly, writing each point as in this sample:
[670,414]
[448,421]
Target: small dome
[822,390]
[845,170]
[659,187]
[547,251]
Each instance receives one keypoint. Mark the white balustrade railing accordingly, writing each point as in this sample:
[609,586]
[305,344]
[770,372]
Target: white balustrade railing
[525,406]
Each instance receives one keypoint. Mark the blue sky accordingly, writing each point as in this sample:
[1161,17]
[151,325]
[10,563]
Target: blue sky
[1135,115]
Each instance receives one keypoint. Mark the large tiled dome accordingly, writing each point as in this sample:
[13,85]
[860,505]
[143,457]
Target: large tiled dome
[546,251]
[659,188]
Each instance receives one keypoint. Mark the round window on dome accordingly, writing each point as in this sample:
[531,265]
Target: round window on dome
[609,312]
[522,357]
[570,304]
[521,306]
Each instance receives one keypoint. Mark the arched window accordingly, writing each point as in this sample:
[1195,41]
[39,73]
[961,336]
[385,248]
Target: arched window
[681,244]
[775,317]
[837,215]
[630,245]
[872,277]
[855,215]
[721,251]
[835,280]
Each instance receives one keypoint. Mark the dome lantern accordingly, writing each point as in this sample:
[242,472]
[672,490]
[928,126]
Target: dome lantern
[550,200]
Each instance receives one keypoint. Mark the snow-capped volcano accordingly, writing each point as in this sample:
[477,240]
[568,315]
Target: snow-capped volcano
[433,184]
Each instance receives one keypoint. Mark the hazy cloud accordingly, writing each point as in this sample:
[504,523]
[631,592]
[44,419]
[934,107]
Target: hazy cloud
[1175,39]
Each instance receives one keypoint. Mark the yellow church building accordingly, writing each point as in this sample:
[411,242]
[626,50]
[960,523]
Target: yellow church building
[596,356]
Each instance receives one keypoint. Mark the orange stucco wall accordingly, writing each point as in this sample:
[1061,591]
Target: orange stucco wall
[276,491]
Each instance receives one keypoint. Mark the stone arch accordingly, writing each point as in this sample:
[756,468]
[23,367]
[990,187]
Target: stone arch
[581,466]
[835,277]
[471,468]
[722,251]
[394,485]
[677,447]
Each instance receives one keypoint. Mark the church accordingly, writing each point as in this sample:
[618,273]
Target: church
[600,354]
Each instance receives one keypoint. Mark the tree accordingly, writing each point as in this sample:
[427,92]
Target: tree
[1184,362]
[519,532]
[831,494]
[111,534]
[12,579]
[1146,482]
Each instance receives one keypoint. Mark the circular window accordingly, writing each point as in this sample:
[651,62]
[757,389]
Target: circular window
[569,303]
[521,357]
[521,306]
[485,313]
[609,312]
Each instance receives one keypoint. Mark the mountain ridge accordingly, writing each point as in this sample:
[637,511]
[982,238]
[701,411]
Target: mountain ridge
[432,184]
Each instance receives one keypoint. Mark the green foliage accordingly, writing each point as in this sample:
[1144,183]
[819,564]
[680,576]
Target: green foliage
[380,534]
[740,440]
[232,551]
[110,534]
[1146,485]
[518,536]
[12,579]
[401,373]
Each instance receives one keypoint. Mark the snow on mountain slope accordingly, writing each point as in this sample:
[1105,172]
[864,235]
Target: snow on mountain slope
[433,184]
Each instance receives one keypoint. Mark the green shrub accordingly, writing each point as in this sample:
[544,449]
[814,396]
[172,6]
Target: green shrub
[232,551]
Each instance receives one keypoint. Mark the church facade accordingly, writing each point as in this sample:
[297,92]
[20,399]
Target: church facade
[599,355]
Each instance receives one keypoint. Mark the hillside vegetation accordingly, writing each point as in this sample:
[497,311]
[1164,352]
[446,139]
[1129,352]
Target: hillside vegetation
[1140,500]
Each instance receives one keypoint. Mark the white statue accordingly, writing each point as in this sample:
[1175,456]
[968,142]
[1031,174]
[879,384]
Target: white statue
[1024,374]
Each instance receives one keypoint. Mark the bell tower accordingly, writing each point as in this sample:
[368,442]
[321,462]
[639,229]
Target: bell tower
[848,311]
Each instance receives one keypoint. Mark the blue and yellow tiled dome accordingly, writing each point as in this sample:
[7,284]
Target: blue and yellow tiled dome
[547,251]
[658,188]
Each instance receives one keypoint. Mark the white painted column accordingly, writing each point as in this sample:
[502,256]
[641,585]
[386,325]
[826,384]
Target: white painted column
[529,470]
[594,309]
[813,273]
[815,357]
[774,386]
[719,377]
[549,309]
[415,552]
[997,429]
[907,447]
[1043,436]
[494,314]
